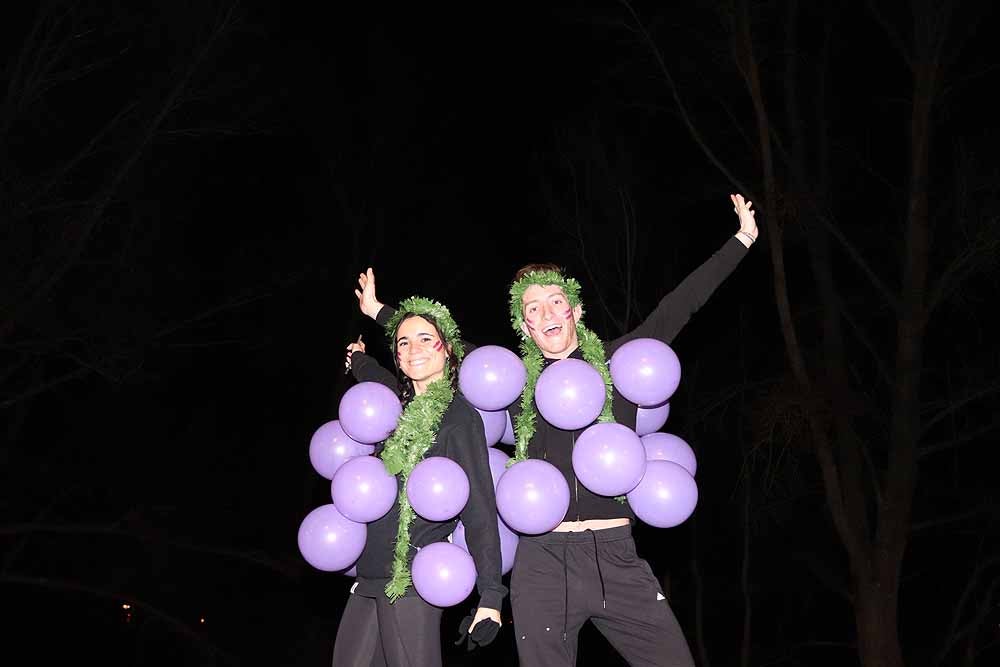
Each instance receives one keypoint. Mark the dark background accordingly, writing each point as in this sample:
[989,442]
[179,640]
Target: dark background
[187,194]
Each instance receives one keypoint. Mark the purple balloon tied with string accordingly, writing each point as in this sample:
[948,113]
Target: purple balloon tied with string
[570,394]
[609,459]
[508,543]
[363,490]
[669,447]
[650,420]
[330,447]
[491,377]
[437,488]
[645,371]
[443,574]
[368,412]
[329,541]
[494,422]
[666,496]
[532,497]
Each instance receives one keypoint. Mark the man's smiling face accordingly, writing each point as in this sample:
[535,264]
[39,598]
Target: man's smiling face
[549,320]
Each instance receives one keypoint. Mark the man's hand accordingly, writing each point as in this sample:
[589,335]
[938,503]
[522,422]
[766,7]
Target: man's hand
[367,302]
[748,226]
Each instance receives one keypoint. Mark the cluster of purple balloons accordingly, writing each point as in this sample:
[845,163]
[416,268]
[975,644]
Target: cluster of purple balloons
[654,470]
[608,459]
[612,459]
[332,536]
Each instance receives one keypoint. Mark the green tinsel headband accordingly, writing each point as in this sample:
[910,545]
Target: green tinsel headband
[570,287]
[418,305]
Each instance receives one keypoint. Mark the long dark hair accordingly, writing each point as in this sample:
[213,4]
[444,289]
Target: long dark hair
[406,395]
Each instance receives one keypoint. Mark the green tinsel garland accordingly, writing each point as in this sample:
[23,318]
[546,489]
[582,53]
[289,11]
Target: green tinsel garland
[414,435]
[590,344]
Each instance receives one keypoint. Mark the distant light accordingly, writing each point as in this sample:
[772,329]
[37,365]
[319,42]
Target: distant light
[201,620]
[126,605]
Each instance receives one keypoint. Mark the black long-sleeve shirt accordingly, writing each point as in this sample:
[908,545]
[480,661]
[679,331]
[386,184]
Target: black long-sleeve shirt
[555,445]
[462,439]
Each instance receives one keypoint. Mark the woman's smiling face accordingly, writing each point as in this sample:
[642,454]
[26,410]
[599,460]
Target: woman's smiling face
[420,352]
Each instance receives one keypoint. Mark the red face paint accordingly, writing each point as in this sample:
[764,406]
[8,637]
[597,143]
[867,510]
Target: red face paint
[567,314]
[437,345]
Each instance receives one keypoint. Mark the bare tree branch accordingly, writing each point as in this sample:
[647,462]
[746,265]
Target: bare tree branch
[957,404]
[890,31]
[959,440]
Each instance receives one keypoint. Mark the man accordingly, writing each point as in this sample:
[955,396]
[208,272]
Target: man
[587,567]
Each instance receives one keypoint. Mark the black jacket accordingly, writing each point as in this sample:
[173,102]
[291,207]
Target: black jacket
[462,439]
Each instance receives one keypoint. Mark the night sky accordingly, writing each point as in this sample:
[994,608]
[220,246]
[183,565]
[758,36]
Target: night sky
[188,192]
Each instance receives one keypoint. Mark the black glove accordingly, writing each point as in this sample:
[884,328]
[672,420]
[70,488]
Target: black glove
[485,631]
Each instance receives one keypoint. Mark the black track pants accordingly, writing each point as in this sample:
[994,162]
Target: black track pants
[562,580]
[374,633]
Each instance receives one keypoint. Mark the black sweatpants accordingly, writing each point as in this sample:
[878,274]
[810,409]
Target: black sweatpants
[374,633]
[562,580]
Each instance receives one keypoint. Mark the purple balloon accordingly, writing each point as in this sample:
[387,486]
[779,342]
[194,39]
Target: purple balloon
[329,541]
[491,377]
[668,447]
[650,420]
[494,422]
[570,394]
[443,574]
[498,465]
[363,490]
[609,459]
[646,371]
[508,543]
[368,412]
[508,432]
[437,488]
[666,496]
[532,497]
[352,572]
[330,447]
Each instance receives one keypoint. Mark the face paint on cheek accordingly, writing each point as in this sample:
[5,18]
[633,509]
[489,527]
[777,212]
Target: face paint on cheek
[567,313]
[530,326]
[437,345]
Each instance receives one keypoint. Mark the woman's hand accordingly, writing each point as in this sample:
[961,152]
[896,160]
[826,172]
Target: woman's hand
[351,349]
[483,613]
[367,302]
[486,631]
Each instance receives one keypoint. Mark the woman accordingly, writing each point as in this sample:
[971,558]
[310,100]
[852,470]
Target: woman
[385,621]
